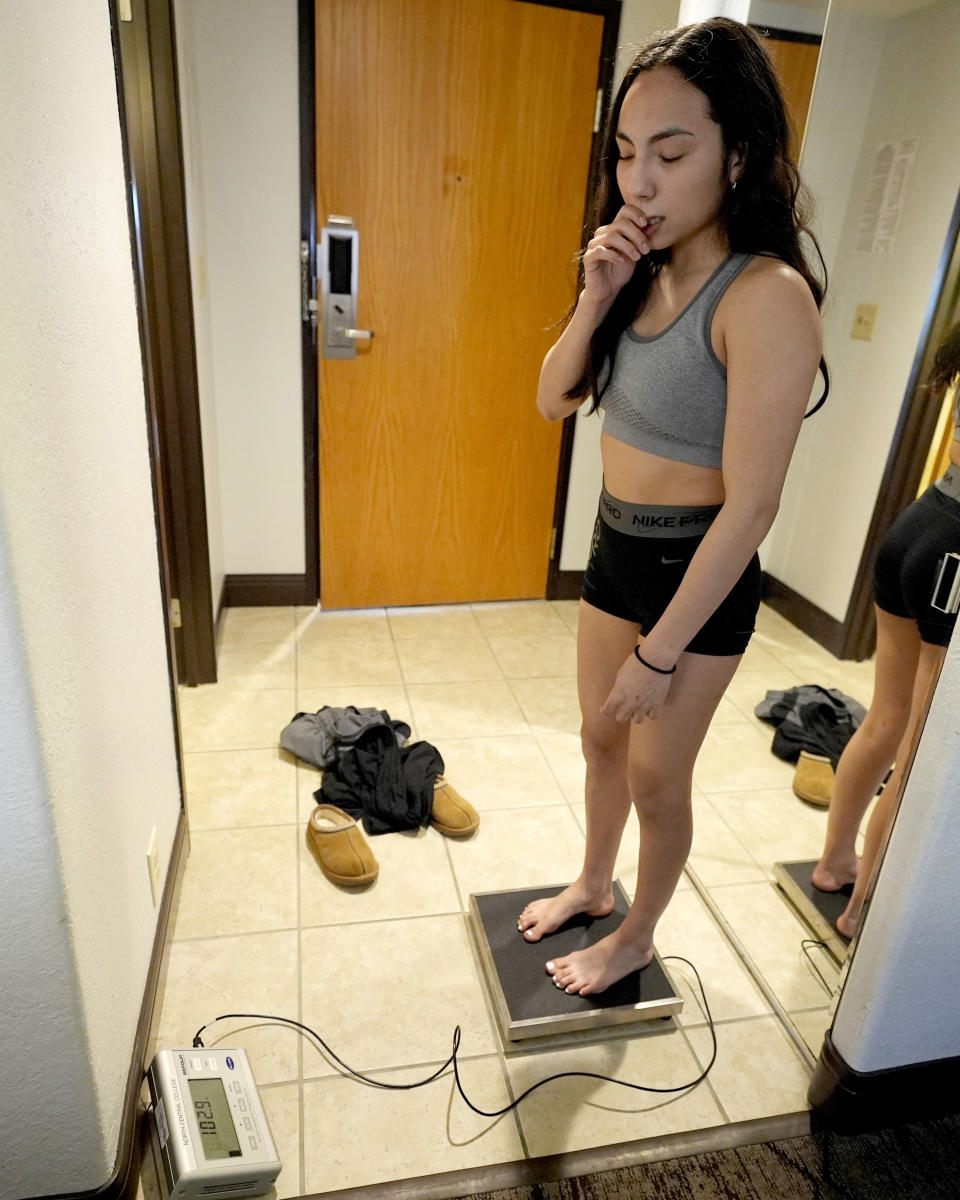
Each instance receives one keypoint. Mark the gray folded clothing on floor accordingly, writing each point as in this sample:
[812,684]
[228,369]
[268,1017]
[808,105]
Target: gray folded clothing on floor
[319,737]
[810,717]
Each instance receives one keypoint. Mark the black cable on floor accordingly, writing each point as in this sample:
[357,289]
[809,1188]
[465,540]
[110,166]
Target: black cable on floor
[805,947]
[402,1087]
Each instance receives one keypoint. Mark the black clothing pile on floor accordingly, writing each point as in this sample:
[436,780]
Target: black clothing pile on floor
[810,717]
[368,770]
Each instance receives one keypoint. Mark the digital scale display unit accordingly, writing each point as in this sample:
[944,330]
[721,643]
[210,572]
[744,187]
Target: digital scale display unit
[212,1129]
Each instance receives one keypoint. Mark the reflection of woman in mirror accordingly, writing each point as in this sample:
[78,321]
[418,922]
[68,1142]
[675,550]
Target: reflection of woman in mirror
[912,639]
[697,330]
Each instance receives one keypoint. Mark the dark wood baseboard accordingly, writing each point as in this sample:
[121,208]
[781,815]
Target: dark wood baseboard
[803,613]
[221,605]
[565,585]
[248,591]
[847,1101]
[122,1184]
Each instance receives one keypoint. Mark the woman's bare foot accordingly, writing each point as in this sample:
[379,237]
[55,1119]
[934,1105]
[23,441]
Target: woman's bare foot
[541,917]
[832,876]
[596,968]
[849,921]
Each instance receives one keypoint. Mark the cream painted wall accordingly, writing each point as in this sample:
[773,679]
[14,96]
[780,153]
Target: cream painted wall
[202,316]
[240,81]
[846,75]
[638,20]
[780,14]
[86,739]
[842,453]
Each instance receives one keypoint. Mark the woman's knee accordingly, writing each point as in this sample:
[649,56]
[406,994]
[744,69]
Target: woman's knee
[885,724]
[603,741]
[656,795]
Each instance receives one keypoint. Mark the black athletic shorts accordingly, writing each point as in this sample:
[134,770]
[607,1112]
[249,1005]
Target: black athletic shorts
[634,577]
[909,562]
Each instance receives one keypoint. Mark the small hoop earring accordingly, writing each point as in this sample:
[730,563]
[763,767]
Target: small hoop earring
[733,186]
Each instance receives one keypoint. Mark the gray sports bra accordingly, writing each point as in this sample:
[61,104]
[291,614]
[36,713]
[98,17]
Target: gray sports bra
[668,393]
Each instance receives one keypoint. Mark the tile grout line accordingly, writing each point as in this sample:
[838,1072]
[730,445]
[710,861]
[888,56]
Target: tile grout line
[771,885]
[706,1079]
[736,837]
[753,970]
[491,1016]
[499,1052]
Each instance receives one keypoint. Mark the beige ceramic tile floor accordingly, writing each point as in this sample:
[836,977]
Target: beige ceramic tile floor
[386,973]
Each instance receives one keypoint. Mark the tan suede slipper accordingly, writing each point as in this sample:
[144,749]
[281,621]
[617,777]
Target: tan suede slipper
[339,846]
[813,779]
[451,814]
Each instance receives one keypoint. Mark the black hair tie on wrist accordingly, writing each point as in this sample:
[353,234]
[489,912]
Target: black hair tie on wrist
[659,670]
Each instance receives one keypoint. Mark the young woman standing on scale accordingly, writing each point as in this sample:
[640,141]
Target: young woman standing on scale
[696,290]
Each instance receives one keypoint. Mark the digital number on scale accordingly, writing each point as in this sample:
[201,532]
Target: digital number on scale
[218,1133]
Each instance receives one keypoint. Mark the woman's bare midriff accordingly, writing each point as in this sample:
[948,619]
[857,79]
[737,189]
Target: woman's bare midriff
[954,458]
[638,477]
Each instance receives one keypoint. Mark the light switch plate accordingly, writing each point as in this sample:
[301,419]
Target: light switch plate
[863,322]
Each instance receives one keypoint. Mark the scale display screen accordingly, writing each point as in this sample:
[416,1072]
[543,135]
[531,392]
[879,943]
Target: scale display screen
[218,1134]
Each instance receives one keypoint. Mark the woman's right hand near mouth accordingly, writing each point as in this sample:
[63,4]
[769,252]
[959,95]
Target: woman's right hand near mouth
[612,254]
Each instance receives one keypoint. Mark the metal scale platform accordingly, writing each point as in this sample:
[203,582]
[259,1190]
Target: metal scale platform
[527,1002]
[818,909]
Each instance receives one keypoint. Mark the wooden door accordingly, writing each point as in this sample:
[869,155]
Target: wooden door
[796,65]
[457,135]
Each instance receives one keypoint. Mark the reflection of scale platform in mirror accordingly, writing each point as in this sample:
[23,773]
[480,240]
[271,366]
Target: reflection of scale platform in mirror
[527,1001]
[818,909]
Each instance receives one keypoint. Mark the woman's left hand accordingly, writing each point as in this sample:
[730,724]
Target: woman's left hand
[638,693]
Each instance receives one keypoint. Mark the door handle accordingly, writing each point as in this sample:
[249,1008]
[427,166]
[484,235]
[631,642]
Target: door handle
[339,280]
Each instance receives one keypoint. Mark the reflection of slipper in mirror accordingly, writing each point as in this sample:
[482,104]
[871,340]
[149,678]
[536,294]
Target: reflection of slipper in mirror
[813,779]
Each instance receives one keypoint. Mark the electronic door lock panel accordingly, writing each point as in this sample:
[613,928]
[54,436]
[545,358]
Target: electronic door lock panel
[339,276]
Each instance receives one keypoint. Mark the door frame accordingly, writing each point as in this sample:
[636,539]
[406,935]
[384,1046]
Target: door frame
[559,584]
[148,98]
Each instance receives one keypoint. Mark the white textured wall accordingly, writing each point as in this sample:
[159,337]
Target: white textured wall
[46,1067]
[899,1004]
[244,145]
[702,10]
[83,573]
[843,450]
[202,317]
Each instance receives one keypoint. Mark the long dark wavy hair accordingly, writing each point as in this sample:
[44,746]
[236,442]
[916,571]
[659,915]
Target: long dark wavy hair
[946,362]
[765,214]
